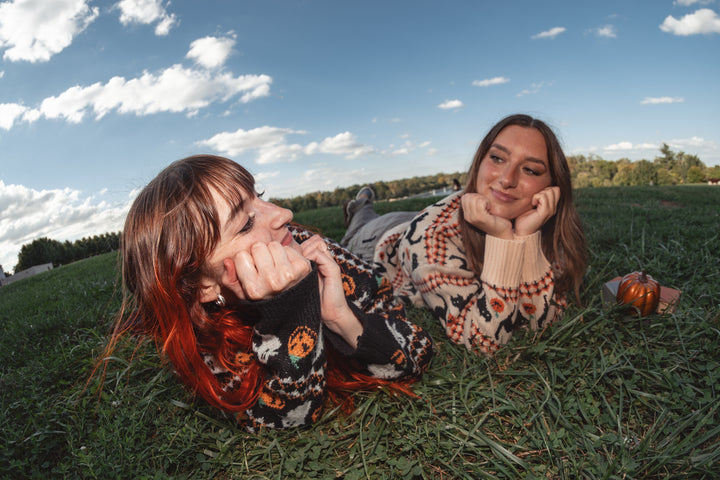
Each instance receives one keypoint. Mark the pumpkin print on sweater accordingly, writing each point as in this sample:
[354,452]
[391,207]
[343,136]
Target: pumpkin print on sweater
[301,343]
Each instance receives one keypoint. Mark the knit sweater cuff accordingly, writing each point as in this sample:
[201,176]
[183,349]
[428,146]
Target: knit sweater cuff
[375,345]
[536,265]
[503,261]
[298,305]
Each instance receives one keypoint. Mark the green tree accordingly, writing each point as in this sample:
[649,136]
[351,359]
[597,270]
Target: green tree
[582,180]
[695,175]
[666,177]
[713,172]
[668,159]
[624,175]
[38,252]
[688,162]
[644,173]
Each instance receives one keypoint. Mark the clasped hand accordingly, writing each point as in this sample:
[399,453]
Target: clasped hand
[476,210]
[265,270]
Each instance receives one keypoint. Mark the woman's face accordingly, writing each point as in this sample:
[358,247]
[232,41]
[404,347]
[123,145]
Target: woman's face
[257,222]
[513,170]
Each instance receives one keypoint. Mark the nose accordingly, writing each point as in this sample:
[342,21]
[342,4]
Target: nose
[508,177]
[279,216]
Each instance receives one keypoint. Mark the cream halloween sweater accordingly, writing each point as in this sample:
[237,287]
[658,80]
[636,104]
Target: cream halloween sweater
[425,262]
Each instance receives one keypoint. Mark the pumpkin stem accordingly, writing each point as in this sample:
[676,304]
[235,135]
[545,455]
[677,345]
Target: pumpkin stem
[643,276]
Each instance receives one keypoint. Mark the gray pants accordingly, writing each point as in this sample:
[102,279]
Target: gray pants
[367,227]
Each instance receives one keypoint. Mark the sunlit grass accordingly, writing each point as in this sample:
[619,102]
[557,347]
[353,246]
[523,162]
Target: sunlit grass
[595,396]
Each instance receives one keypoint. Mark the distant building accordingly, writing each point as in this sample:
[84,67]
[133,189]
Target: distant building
[4,280]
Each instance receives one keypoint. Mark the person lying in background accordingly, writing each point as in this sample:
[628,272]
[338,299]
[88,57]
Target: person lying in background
[502,253]
[257,316]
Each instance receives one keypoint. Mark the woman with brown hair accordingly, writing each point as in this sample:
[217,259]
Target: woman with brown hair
[504,252]
[257,316]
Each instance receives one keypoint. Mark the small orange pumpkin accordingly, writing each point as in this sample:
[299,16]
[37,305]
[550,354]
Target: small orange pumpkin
[641,291]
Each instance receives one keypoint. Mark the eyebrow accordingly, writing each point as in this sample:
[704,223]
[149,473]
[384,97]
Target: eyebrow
[530,159]
[235,209]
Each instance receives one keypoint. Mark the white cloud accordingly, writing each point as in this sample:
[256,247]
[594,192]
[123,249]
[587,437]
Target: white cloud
[659,100]
[490,81]
[707,150]
[211,52]
[329,178]
[271,146]
[703,21]
[264,176]
[284,152]
[175,89]
[146,12]
[9,113]
[450,104]
[407,147]
[58,214]
[607,31]
[552,33]
[534,88]
[619,146]
[687,3]
[34,31]
[268,141]
[341,144]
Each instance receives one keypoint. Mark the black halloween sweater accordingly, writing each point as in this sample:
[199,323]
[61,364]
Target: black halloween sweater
[290,341]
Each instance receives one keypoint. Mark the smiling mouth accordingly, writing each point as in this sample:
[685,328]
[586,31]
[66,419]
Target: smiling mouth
[287,240]
[503,197]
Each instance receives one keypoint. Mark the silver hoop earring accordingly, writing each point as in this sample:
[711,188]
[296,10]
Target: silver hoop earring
[220,302]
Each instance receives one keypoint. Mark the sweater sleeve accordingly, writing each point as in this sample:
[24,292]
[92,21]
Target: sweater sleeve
[538,303]
[287,340]
[390,347]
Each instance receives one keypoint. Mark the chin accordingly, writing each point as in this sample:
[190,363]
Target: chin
[502,213]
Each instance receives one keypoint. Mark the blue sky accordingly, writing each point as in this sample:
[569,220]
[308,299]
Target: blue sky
[97,97]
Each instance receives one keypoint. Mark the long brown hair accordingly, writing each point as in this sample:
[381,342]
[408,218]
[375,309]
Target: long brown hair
[171,228]
[563,239]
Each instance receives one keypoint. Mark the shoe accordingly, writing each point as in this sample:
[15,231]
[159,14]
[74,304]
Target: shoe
[368,192]
[365,195]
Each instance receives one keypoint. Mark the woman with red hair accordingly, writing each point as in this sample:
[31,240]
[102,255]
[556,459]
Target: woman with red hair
[257,316]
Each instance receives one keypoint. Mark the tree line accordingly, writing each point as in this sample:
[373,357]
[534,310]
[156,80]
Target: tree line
[384,191]
[669,168]
[45,250]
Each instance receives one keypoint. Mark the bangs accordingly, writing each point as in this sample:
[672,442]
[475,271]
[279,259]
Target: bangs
[232,182]
[193,218]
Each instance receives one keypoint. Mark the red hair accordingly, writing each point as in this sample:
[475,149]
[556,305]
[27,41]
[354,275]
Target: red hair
[171,228]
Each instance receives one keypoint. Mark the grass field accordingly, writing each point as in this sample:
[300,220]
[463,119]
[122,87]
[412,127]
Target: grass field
[595,396]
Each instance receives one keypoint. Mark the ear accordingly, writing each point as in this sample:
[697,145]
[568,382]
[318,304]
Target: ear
[208,290]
